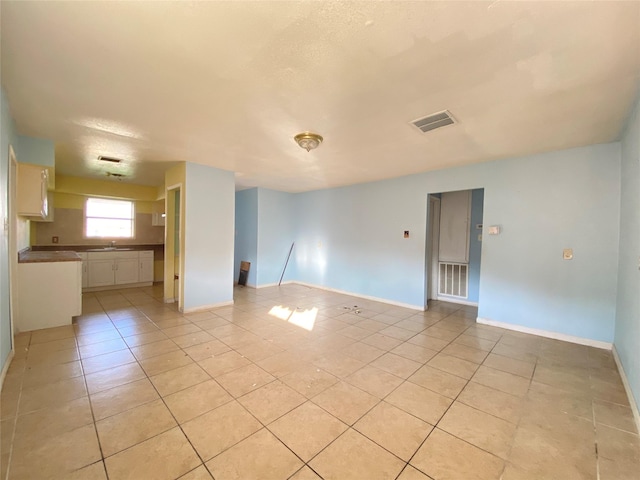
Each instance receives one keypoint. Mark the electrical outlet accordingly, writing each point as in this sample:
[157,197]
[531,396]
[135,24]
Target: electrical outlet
[54,239]
[567,254]
[406,234]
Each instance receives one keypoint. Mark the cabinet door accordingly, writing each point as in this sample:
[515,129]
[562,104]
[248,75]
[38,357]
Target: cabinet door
[100,273]
[146,270]
[85,273]
[126,270]
[32,191]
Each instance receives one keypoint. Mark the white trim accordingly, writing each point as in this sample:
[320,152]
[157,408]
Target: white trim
[546,333]
[266,285]
[169,300]
[444,298]
[5,369]
[366,297]
[116,287]
[627,387]
[208,307]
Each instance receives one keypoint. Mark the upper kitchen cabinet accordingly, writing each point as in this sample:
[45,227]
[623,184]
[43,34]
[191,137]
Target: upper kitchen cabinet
[31,188]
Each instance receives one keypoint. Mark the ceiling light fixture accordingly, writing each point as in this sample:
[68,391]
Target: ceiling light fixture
[308,140]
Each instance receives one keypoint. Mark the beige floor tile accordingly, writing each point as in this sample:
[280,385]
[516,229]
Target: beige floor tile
[439,381]
[374,381]
[339,365]
[499,404]
[567,378]
[165,362]
[53,346]
[608,392]
[57,455]
[206,350]
[309,380]
[383,342]
[144,338]
[363,352]
[271,401]
[154,349]
[475,342]
[194,401]
[345,402]
[354,456]
[465,353]
[503,381]
[106,361]
[51,358]
[445,457]
[307,430]
[414,352]
[546,398]
[50,334]
[88,338]
[133,426]
[437,331]
[305,473]
[164,457]
[510,365]
[179,378]
[51,394]
[101,348]
[137,329]
[200,473]
[426,341]
[420,402]
[42,425]
[114,377]
[479,428]
[453,365]
[44,373]
[223,363]
[244,380]
[396,365]
[614,415]
[410,473]
[95,471]
[119,399]
[259,456]
[191,339]
[618,454]
[281,364]
[219,429]
[394,429]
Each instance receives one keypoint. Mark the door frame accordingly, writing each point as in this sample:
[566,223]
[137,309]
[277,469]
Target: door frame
[170,247]
[12,218]
[432,247]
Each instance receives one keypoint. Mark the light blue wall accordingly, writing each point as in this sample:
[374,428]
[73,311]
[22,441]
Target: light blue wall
[209,226]
[246,241]
[35,150]
[351,238]
[475,246]
[627,336]
[275,235]
[7,137]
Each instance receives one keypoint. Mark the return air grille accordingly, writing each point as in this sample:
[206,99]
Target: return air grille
[437,120]
[454,279]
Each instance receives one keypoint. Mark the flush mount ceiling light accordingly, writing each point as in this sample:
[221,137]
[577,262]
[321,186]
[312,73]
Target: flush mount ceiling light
[308,140]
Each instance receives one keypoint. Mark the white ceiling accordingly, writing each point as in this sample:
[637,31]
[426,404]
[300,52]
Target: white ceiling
[229,84]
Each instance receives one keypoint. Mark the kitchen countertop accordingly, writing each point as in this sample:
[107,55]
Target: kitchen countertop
[29,256]
[97,247]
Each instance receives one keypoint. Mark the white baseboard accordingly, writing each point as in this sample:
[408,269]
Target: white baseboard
[366,297]
[5,369]
[546,333]
[203,308]
[442,298]
[267,285]
[116,287]
[625,381]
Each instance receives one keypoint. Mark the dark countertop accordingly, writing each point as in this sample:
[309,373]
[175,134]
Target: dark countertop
[29,256]
[86,248]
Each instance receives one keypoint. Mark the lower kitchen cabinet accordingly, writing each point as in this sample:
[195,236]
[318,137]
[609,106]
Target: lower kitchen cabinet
[105,269]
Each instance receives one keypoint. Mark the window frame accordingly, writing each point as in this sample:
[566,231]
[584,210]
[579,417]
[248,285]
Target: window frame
[85,233]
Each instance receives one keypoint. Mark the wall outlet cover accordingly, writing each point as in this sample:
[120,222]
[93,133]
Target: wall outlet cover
[406,234]
[567,254]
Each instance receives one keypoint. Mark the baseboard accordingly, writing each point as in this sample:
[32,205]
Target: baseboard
[208,307]
[627,387]
[266,285]
[116,287]
[546,333]
[5,369]
[365,297]
[456,300]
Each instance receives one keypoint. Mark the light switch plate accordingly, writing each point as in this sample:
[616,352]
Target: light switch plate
[567,254]
[494,230]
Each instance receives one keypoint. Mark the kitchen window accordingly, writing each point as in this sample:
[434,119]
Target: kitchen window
[105,218]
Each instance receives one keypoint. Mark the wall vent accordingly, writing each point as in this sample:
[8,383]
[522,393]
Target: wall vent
[102,158]
[431,122]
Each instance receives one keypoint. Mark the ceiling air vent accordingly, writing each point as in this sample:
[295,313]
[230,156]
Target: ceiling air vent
[102,158]
[431,122]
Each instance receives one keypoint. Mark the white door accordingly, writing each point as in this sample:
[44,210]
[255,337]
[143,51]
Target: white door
[100,273]
[126,270]
[455,219]
[433,237]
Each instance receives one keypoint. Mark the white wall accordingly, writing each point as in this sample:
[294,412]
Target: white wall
[209,203]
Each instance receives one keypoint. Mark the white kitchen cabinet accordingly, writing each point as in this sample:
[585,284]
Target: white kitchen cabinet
[126,271]
[31,190]
[146,266]
[119,267]
[85,273]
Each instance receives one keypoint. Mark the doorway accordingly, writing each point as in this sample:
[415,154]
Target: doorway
[173,253]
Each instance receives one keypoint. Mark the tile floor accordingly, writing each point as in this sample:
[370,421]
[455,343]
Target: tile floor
[298,383]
